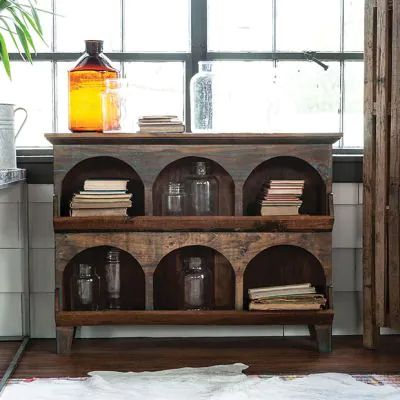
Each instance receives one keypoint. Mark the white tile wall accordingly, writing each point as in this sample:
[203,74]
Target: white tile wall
[347,271]
[42,315]
[13,258]
[41,235]
[41,264]
[10,314]
[345,193]
[11,270]
[348,313]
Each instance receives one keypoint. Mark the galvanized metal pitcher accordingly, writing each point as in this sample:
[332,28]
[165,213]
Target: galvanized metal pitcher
[8,158]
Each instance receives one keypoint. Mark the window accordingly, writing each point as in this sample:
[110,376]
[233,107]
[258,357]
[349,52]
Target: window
[257,45]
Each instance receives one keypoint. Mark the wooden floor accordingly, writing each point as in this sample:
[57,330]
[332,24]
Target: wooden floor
[263,355]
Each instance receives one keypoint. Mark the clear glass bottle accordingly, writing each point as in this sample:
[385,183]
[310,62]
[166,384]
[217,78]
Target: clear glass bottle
[85,289]
[87,82]
[201,191]
[117,108]
[197,284]
[201,99]
[113,279]
[174,199]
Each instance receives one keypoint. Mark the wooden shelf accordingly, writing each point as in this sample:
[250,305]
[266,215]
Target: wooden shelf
[82,318]
[93,138]
[292,223]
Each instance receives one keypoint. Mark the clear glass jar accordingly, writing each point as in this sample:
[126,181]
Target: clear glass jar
[174,199]
[87,82]
[197,284]
[85,289]
[117,108]
[113,279]
[201,99]
[202,191]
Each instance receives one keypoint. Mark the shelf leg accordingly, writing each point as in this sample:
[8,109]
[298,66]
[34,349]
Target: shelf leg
[322,334]
[65,335]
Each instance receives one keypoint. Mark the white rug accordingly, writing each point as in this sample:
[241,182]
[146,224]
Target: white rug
[225,382]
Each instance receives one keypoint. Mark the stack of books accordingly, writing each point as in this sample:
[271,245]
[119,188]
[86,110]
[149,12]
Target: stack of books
[281,197]
[288,297]
[102,197]
[160,124]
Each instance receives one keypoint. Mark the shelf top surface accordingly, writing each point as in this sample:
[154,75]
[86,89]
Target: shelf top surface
[96,138]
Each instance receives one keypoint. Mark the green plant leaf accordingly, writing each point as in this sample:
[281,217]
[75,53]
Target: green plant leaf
[11,33]
[27,36]
[36,18]
[24,42]
[4,56]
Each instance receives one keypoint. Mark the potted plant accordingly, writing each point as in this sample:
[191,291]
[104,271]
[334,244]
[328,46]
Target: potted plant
[19,21]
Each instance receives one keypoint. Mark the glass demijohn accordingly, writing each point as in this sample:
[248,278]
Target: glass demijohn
[113,279]
[87,82]
[201,99]
[85,289]
[202,191]
[174,199]
[197,284]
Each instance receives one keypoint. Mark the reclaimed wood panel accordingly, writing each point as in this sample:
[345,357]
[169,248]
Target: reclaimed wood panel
[369,310]
[225,317]
[382,157]
[290,223]
[189,138]
[394,171]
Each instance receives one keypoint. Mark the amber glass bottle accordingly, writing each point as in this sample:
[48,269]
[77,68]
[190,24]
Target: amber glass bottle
[86,84]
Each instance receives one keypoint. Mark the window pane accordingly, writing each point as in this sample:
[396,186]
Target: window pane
[62,69]
[254,96]
[308,25]
[354,25]
[46,21]
[241,95]
[88,19]
[306,97]
[157,87]
[353,104]
[157,25]
[31,89]
[240,25]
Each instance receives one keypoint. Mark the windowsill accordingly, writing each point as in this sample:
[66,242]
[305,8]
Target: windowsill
[347,164]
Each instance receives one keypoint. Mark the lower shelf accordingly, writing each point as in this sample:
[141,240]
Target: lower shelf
[85,318]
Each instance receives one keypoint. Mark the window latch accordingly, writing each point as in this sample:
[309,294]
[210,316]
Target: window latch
[310,56]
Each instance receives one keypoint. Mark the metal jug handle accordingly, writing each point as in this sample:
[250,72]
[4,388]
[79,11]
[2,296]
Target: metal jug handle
[23,122]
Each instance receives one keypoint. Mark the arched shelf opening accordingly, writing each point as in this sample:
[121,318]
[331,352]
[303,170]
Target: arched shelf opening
[132,278]
[168,279]
[102,168]
[283,265]
[286,168]
[178,170]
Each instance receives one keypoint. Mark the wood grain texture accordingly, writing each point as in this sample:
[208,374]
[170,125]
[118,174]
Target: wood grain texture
[263,355]
[394,171]
[369,311]
[296,223]
[147,167]
[189,138]
[382,157]
[81,318]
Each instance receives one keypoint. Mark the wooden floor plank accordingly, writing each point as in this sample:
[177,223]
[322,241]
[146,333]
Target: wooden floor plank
[263,355]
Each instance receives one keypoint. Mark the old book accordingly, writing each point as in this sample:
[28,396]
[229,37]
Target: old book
[104,196]
[153,117]
[278,210]
[282,307]
[77,200]
[105,184]
[281,287]
[119,204]
[163,129]
[101,192]
[283,292]
[108,212]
